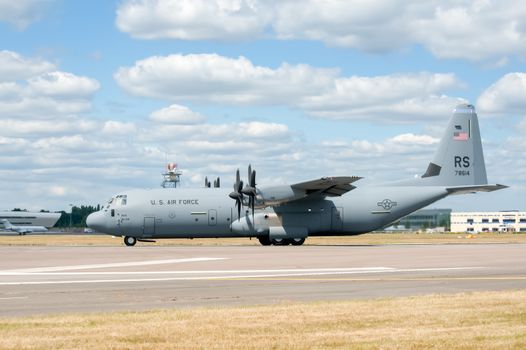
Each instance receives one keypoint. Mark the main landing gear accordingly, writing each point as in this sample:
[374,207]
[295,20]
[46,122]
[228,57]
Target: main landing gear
[265,240]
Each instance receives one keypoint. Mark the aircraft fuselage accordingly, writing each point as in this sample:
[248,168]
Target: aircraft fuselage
[198,213]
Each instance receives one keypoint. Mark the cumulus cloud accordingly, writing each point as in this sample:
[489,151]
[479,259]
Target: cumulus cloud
[241,131]
[211,78]
[390,98]
[119,128]
[176,114]
[216,78]
[482,30]
[21,13]
[412,139]
[193,19]
[63,84]
[37,127]
[15,67]
[473,30]
[42,138]
[404,144]
[32,87]
[506,95]
[372,26]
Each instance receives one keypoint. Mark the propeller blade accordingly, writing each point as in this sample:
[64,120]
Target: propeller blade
[237,194]
[253,179]
[251,203]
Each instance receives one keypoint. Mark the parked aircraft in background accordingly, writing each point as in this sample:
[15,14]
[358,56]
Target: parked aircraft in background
[21,230]
[289,213]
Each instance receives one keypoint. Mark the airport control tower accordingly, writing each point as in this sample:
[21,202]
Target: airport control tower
[172,176]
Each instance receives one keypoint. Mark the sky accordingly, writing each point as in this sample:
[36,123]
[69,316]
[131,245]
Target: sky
[97,96]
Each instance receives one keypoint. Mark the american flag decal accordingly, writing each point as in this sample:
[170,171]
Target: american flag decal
[460,136]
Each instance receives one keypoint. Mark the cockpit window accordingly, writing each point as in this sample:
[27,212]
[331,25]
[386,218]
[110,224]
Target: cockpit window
[110,202]
[121,199]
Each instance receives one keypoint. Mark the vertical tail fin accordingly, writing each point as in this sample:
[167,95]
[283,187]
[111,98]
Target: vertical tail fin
[7,224]
[459,159]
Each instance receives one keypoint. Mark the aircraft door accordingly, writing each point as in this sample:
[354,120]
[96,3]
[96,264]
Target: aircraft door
[212,217]
[116,216]
[337,219]
[149,227]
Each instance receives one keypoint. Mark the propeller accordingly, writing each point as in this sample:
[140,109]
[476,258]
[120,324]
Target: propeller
[250,189]
[237,194]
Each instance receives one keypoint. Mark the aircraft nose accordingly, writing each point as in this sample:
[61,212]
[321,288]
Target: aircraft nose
[96,221]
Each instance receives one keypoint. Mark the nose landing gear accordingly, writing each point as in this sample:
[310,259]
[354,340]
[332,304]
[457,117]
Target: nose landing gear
[130,241]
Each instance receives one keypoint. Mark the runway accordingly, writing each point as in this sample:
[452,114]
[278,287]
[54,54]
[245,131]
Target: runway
[44,280]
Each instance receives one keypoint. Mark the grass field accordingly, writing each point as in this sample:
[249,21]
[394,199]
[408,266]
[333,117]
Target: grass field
[481,320]
[371,238]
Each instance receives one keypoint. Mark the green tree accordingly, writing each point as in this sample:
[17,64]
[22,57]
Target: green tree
[77,217]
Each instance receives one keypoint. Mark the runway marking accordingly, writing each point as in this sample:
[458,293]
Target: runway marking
[13,298]
[335,270]
[239,275]
[384,279]
[102,266]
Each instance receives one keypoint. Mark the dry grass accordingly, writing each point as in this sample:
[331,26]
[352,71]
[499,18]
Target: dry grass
[371,238]
[478,320]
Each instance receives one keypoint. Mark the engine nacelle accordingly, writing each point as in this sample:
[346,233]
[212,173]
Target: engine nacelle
[246,226]
[278,194]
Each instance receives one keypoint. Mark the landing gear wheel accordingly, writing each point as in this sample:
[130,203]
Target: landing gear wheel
[280,241]
[297,241]
[264,240]
[130,241]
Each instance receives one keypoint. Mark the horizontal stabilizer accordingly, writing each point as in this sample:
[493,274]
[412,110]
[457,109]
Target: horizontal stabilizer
[474,188]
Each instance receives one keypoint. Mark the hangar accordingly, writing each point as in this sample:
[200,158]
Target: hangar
[499,221]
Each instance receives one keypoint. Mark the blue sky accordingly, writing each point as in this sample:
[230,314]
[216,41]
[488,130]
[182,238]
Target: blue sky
[95,95]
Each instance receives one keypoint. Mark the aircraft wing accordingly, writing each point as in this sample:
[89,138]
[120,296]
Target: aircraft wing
[328,186]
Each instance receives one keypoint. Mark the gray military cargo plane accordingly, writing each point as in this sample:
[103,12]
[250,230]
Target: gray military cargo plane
[288,214]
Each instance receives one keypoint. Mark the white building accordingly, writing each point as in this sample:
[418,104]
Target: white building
[27,218]
[499,221]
